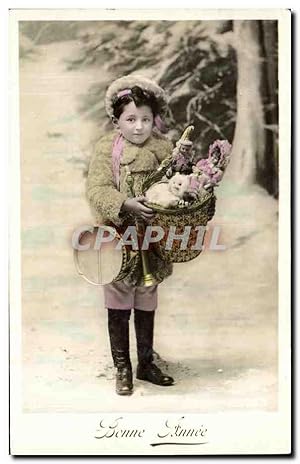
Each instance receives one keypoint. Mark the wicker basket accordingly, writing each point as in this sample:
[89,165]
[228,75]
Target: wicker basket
[193,216]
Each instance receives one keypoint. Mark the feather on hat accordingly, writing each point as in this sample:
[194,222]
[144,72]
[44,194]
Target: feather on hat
[129,81]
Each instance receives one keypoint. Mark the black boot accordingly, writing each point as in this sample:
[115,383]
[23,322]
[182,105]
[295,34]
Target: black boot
[147,370]
[118,327]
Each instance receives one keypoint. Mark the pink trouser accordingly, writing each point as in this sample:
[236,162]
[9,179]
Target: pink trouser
[118,295]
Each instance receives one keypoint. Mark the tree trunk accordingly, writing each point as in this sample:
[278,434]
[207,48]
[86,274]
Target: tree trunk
[270,72]
[248,151]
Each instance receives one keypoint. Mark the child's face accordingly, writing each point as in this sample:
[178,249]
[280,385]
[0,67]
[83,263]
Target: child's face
[136,123]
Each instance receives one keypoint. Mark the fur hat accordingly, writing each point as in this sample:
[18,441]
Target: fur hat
[129,81]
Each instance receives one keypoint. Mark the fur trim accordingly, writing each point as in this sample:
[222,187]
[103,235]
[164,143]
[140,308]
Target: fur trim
[129,81]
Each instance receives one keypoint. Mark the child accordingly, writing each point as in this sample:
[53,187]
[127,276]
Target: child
[135,105]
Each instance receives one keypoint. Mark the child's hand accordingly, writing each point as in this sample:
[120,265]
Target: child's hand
[136,206]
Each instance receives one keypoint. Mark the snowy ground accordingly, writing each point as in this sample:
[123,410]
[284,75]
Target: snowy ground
[216,324]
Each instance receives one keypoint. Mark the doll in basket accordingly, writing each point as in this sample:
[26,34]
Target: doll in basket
[208,172]
[182,161]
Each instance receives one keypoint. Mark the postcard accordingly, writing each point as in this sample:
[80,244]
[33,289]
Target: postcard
[150,223]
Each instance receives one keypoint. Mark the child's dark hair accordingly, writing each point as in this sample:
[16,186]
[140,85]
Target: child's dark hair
[137,95]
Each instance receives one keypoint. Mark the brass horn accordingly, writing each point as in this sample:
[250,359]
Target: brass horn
[148,279]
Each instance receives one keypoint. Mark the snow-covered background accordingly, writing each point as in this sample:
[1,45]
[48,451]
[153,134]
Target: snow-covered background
[216,329]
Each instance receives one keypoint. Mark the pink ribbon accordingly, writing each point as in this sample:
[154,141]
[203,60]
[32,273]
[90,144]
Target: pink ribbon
[123,93]
[160,124]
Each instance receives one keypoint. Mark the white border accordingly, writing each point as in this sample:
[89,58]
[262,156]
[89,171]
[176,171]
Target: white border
[172,14]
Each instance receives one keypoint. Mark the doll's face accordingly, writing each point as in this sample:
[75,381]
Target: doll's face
[135,123]
[178,184]
[185,150]
[215,157]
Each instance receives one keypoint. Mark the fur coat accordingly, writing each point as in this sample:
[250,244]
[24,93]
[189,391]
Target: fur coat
[106,200]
